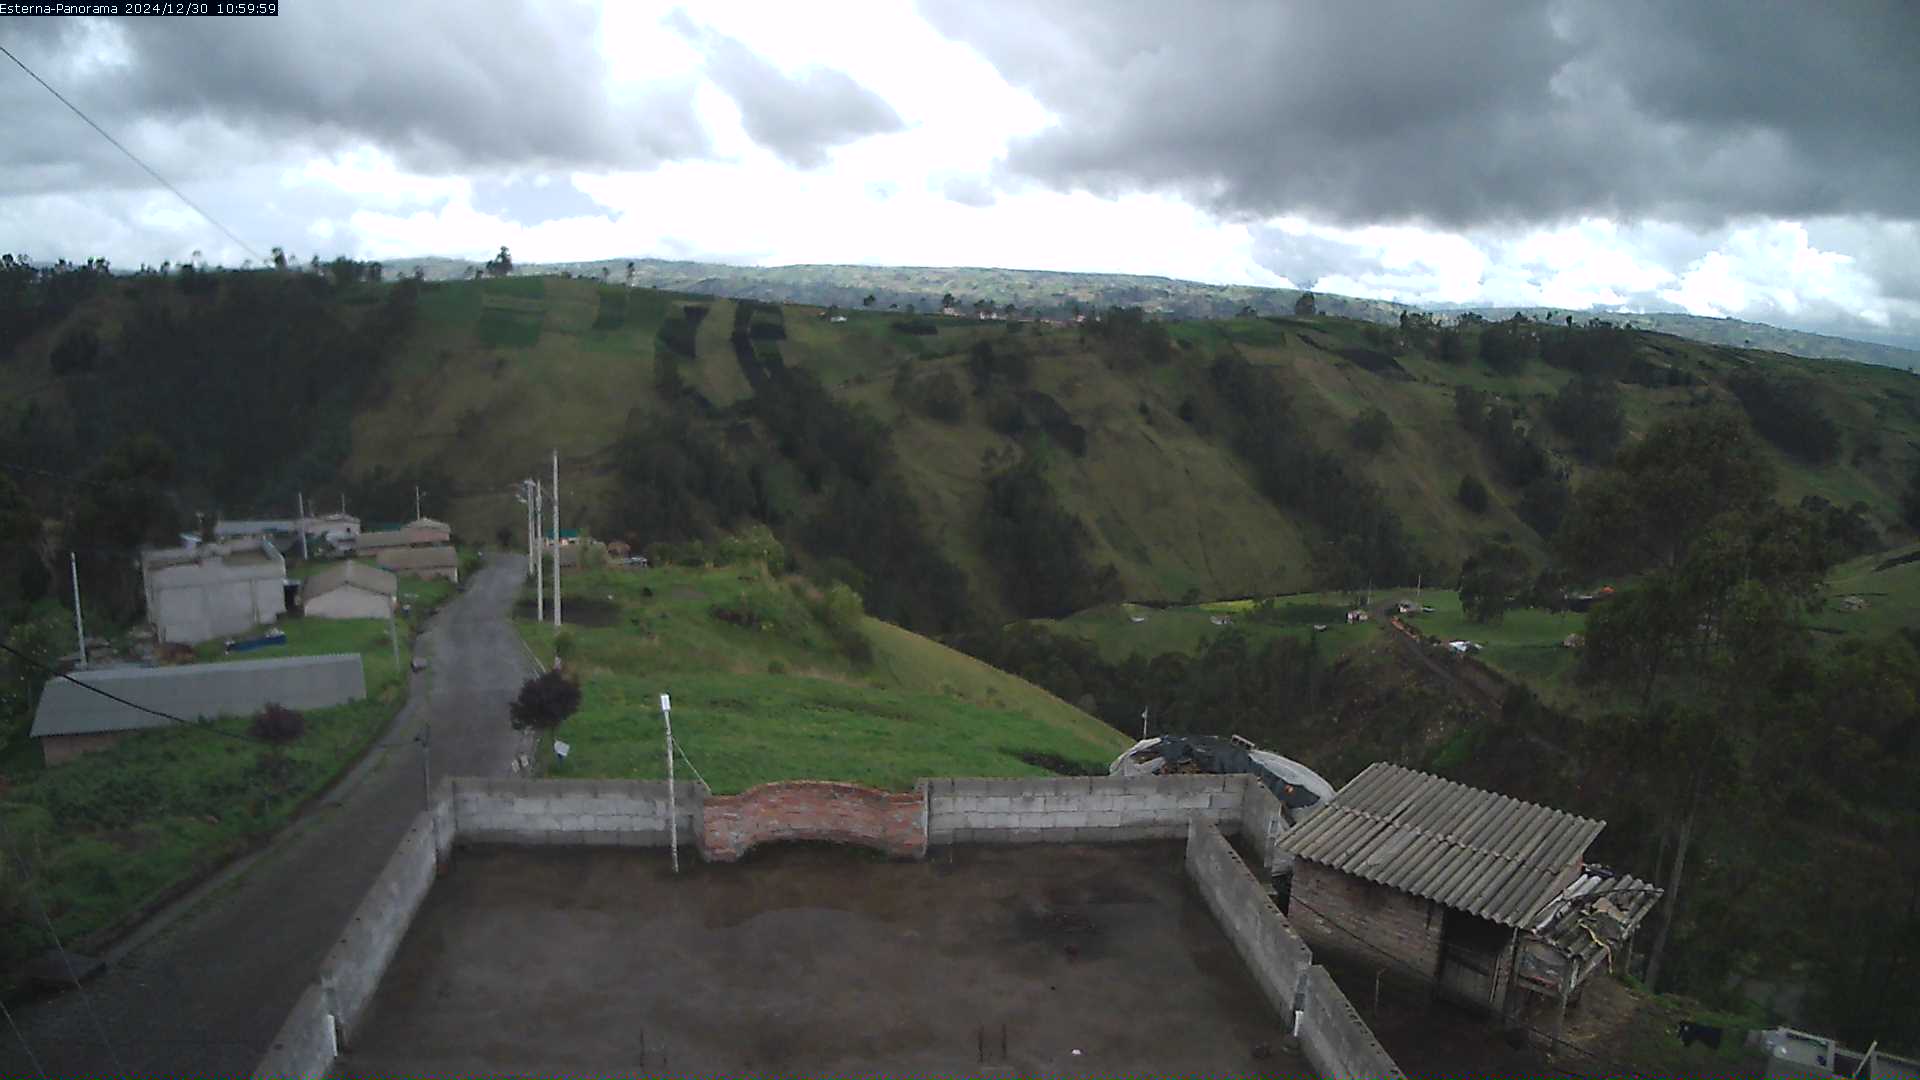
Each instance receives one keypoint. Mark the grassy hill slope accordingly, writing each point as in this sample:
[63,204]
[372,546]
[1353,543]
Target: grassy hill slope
[485,378]
[764,688]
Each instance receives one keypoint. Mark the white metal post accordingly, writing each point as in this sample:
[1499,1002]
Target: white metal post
[79,620]
[302,524]
[556,539]
[673,812]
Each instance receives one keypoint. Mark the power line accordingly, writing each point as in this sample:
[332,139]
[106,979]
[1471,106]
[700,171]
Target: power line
[130,154]
[66,960]
[24,1045]
[169,717]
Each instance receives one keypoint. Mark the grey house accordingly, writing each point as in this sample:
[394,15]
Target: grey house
[213,590]
[73,720]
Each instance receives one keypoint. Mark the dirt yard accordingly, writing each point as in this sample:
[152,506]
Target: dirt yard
[1034,961]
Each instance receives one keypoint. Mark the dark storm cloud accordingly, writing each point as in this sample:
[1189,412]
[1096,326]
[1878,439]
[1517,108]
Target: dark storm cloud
[439,85]
[1474,113]
[799,117]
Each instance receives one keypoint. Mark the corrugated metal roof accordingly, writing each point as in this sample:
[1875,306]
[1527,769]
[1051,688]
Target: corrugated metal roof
[197,692]
[1595,914]
[370,578]
[1482,853]
[419,558]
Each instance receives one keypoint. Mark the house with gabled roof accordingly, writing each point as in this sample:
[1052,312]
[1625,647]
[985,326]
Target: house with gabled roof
[1475,893]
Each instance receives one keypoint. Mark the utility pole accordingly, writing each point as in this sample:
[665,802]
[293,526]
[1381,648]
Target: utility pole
[526,496]
[556,540]
[302,524]
[79,621]
[416,502]
[539,560]
[673,813]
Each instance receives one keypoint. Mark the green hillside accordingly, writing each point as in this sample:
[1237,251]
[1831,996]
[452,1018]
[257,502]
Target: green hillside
[469,385]
[773,680]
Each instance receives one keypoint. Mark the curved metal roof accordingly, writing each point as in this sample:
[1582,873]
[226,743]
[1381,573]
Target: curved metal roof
[1485,854]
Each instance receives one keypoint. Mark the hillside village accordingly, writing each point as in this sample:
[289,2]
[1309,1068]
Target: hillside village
[1097,504]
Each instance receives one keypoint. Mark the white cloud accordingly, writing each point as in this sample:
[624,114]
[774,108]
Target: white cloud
[936,191]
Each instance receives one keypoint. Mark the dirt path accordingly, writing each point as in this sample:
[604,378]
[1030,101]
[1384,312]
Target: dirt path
[205,986]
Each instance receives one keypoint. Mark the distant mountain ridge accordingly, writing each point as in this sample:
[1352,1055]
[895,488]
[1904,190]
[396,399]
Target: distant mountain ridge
[1056,292]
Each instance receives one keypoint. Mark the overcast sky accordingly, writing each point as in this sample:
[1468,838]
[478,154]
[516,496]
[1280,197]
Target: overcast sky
[1746,158]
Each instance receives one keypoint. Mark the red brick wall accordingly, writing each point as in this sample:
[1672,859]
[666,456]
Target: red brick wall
[893,822]
[1361,920]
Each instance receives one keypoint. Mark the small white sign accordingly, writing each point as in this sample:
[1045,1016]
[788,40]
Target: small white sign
[665,704]
[560,749]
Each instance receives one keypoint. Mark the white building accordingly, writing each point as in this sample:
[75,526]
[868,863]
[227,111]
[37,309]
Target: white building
[213,590]
[350,590]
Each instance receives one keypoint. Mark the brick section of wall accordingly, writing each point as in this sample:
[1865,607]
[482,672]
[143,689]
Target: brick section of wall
[1274,954]
[613,813]
[890,821]
[1335,1039]
[1331,910]
[1076,809]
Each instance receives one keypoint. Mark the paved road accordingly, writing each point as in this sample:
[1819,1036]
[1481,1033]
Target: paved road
[204,992]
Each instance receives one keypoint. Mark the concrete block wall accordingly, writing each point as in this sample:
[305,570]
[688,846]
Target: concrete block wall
[353,968]
[613,813]
[1262,820]
[304,1045]
[1334,1038]
[1078,809]
[890,821]
[1274,954]
[1331,909]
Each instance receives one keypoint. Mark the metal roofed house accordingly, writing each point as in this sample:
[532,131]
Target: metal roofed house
[421,532]
[350,590]
[72,720]
[213,590]
[421,562]
[1450,882]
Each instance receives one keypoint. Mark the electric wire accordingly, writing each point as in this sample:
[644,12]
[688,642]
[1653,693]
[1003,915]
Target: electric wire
[66,961]
[131,156]
[24,1045]
[169,717]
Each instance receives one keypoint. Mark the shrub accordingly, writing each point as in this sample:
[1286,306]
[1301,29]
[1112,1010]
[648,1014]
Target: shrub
[1473,494]
[544,701]
[278,724]
[566,646]
[942,399]
[754,544]
[1371,429]
[840,609]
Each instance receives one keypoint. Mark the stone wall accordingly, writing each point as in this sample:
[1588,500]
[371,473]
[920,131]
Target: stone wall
[893,822]
[1076,809]
[1275,955]
[612,813]
[1333,1036]
[1342,913]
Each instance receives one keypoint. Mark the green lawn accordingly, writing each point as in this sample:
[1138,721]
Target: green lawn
[1892,596]
[1111,629]
[779,698]
[109,831]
